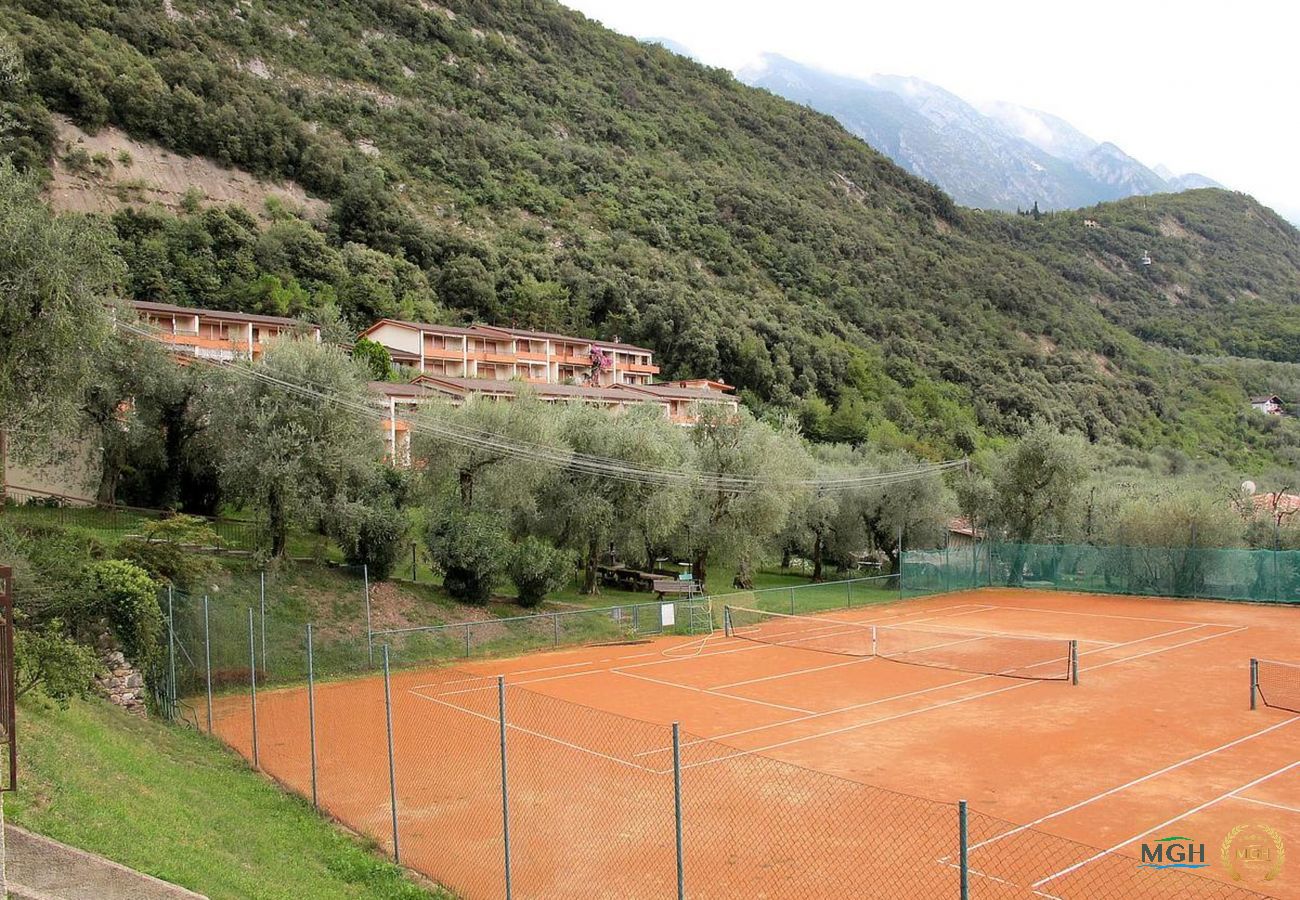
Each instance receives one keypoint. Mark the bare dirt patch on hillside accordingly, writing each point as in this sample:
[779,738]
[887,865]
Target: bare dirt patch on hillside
[122,171]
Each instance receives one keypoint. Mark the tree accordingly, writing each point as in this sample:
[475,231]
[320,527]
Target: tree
[131,371]
[56,275]
[375,357]
[735,522]
[472,550]
[537,569]
[293,453]
[501,474]
[589,511]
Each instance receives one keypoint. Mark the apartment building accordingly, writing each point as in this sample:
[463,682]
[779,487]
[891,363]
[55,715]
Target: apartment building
[212,334]
[503,354]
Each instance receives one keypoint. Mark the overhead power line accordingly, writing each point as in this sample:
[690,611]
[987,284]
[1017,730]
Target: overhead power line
[463,435]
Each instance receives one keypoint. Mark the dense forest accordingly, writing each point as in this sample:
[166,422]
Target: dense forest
[515,163]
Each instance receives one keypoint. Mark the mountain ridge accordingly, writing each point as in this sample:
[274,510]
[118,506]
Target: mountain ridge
[989,156]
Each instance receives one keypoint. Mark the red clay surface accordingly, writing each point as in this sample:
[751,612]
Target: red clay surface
[1156,740]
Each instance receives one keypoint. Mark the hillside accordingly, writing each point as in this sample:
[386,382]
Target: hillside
[514,162]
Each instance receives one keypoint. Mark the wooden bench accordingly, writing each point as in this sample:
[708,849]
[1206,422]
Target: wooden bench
[666,586]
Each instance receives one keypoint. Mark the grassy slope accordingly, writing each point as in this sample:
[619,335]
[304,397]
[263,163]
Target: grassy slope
[174,804]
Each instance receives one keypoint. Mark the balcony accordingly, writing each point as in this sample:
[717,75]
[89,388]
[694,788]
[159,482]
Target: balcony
[530,355]
[639,367]
[454,353]
[486,356]
[207,343]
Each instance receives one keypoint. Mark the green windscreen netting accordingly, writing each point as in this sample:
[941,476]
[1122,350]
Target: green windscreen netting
[1263,576]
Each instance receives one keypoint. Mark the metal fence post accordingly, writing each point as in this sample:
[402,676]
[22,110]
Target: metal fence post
[555,622]
[792,601]
[963,850]
[370,639]
[171,657]
[467,640]
[392,767]
[207,658]
[414,577]
[311,713]
[252,682]
[1254,681]
[505,783]
[261,599]
[1074,662]
[900,562]
[677,810]
[850,603]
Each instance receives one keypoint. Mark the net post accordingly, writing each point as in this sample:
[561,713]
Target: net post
[311,714]
[171,658]
[505,782]
[677,809]
[726,621]
[873,640]
[252,682]
[370,635]
[392,766]
[1074,662]
[1254,682]
[207,659]
[963,849]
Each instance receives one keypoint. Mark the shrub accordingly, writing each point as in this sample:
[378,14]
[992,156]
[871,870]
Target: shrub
[537,569]
[128,598]
[161,550]
[369,534]
[471,549]
[46,658]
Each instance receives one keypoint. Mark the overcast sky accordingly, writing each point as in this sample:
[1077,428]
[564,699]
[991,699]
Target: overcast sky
[1209,87]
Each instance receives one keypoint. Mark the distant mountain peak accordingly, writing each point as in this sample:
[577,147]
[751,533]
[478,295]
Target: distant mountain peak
[995,155]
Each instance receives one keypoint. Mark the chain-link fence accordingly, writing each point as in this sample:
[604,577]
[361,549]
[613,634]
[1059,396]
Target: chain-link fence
[497,790]
[1261,576]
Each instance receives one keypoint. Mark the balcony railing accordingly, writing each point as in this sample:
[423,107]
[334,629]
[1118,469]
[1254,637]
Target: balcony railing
[444,352]
[640,367]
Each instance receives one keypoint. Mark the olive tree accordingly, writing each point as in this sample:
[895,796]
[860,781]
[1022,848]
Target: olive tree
[297,439]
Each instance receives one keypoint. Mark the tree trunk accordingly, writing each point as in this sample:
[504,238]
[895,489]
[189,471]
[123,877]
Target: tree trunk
[589,584]
[744,580]
[699,566]
[466,487]
[277,523]
[785,557]
[818,552]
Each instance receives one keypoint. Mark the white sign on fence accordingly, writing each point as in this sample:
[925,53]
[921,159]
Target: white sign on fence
[668,614]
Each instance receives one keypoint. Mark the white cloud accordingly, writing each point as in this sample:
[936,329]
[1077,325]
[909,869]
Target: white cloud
[1197,86]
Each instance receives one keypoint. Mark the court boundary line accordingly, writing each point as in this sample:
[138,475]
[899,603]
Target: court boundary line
[947,703]
[1205,754]
[1191,812]
[1282,806]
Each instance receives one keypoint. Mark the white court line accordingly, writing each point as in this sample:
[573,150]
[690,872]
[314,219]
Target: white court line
[1191,812]
[938,687]
[698,690]
[850,662]
[1070,612]
[937,706]
[546,737]
[1294,809]
[1136,781]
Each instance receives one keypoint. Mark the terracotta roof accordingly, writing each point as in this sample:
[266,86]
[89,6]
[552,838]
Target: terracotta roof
[421,326]
[712,384]
[170,309]
[1284,503]
[671,391]
[962,525]
[397,389]
[496,386]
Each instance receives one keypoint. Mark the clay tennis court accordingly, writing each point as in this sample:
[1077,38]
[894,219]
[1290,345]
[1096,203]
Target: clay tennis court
[786,722]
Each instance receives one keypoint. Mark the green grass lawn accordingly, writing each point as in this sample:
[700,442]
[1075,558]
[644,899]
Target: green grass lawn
[175,804]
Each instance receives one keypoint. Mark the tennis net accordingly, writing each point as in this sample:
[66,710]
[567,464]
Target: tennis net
[977,652]
[1276,683]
